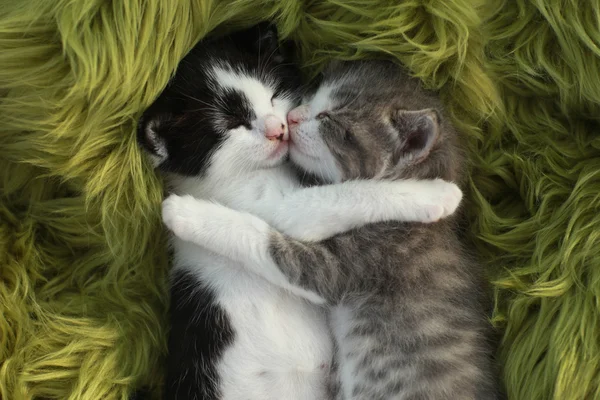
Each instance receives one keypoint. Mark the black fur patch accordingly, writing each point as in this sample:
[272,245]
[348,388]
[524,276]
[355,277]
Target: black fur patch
[237,109]
[200,332]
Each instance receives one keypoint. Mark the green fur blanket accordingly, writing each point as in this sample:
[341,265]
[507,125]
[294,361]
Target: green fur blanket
[83,264]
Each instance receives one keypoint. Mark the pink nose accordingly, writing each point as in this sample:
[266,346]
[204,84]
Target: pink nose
[297,116]
[275,129]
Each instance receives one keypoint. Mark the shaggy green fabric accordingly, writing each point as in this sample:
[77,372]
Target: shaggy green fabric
[82,255]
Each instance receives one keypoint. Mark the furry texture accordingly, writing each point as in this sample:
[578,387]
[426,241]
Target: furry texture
[82,257]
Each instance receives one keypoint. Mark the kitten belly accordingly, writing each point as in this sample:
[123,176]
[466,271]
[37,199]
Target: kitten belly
[282,348]
[340,320]
[357,363]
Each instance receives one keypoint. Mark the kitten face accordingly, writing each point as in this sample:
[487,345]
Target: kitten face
[370,120]
[225,108]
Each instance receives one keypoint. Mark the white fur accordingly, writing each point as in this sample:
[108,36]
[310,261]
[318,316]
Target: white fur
[310,214]
[282,347]
[321,100]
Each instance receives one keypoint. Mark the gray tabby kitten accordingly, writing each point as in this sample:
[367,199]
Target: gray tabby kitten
[405,301]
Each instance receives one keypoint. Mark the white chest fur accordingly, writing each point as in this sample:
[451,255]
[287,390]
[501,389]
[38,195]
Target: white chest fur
[282,348]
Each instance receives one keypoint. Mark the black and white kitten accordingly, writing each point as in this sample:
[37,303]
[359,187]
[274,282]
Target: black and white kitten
[219,132]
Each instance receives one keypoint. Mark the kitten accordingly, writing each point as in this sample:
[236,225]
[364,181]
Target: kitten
[219,132]
[406,307]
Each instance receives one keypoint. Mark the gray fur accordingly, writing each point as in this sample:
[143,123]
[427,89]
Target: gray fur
[418,325]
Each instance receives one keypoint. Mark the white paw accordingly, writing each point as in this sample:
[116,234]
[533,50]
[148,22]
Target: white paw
[439,200]
[181,215]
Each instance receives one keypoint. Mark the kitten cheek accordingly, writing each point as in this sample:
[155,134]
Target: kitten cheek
[305,131]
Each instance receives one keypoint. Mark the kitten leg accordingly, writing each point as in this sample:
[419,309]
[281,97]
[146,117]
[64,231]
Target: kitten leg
[312,270]
[236,235]
[319,212]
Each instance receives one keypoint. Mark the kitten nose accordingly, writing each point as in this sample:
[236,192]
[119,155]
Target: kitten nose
[275,129]
[297,115]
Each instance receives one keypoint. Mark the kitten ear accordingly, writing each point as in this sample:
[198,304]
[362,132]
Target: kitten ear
[267,37]
[417,131]
[150,139]
[263,38]
[268,43]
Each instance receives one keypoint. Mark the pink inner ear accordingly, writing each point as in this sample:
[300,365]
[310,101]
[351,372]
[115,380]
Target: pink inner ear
[417,140]
[421,139]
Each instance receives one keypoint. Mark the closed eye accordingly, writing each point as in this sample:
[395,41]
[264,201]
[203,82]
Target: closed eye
[236,123]
[322,115]
[277,93]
